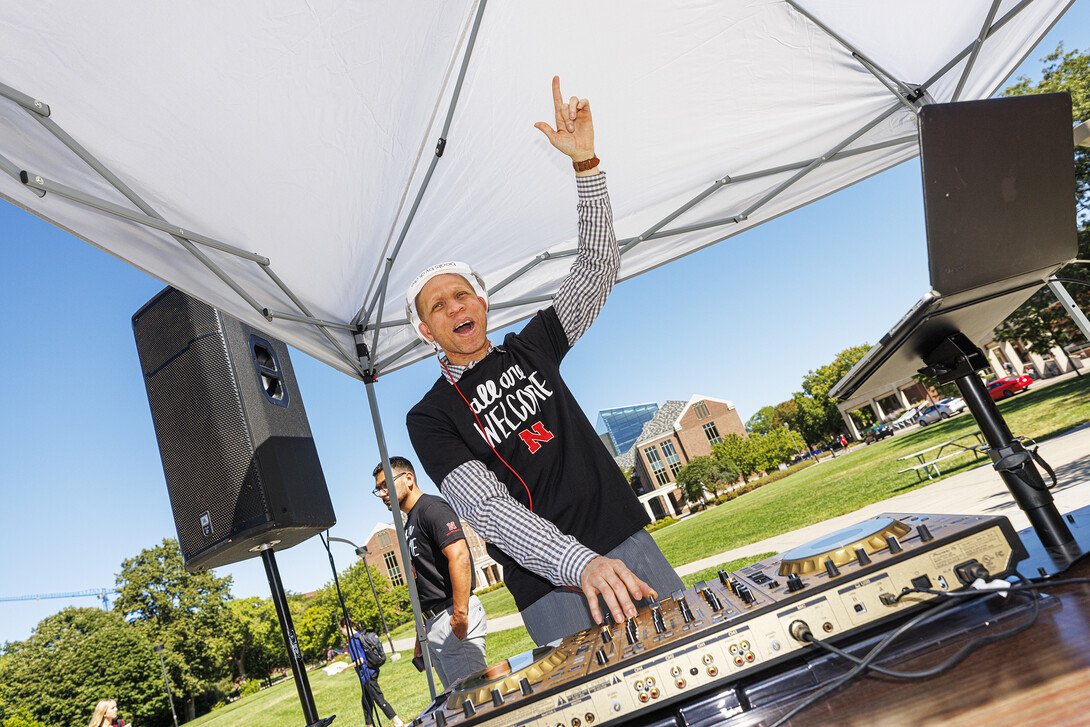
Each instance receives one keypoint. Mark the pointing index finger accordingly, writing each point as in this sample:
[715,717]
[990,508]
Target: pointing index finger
[558,104]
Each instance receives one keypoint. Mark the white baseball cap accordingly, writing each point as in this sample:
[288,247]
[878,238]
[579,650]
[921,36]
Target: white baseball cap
[452,267]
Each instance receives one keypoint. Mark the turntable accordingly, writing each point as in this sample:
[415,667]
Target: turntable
[711,635]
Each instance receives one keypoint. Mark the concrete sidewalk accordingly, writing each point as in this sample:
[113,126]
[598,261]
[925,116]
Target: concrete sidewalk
[980,491]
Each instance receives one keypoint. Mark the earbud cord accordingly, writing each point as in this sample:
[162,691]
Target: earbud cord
[486,439]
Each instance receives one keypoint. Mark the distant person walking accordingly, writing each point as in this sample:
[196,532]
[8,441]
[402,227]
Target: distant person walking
[367,671]
[105,715]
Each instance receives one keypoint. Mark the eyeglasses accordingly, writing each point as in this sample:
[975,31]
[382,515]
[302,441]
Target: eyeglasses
[379,489]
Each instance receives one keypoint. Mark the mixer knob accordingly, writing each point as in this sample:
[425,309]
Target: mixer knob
[734,584]
[440,719]
[712,599]
[468,709]
[745,594]
[925,533]
[656,618]
[831,569]
[525,688]
[861,557]
[724,577]
[894,544]
[497,698]
[607,635]
[601,657]
[794,583]
[631,630]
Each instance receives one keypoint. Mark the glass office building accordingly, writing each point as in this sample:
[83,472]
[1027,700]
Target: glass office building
[620,428]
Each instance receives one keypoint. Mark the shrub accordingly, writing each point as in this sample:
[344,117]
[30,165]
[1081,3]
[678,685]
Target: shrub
[658,524]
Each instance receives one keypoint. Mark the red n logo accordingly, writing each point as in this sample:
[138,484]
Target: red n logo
[535,435]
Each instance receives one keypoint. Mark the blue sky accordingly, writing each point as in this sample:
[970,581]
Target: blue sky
[82,481]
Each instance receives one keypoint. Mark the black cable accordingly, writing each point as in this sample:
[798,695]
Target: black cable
[873,654]
[1024,586]
[1072,280]
[957,657]
[368,707]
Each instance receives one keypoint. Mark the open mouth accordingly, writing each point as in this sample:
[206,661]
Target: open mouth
[463,328]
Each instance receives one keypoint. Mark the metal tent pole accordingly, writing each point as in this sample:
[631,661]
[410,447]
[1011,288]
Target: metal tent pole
[399,528]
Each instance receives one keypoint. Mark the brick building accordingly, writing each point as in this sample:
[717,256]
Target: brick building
[384,556]
[679,432]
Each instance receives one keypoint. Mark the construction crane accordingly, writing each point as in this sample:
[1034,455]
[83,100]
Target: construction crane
[101,593]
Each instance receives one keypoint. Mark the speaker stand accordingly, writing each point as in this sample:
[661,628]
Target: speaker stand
[295,657]
[957,359]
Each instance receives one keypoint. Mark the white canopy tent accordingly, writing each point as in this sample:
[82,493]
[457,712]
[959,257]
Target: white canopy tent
[277,159]
[295,164]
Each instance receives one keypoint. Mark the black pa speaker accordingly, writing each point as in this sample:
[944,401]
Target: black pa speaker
[240,462]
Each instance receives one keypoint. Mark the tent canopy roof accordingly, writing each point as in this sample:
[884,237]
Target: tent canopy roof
[277,159]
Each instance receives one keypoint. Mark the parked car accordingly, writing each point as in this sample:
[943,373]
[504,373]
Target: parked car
[935,412]
[1008,386]
[954,403]
[877,432]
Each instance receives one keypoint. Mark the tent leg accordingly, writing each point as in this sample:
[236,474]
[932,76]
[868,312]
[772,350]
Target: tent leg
[402,544]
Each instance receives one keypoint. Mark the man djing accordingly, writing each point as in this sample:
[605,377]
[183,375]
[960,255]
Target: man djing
[508,444]
[443,568]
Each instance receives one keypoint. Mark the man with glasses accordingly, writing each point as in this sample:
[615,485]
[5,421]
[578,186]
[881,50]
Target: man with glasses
[443,568]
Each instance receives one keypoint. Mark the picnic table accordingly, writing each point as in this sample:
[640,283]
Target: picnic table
[927,459]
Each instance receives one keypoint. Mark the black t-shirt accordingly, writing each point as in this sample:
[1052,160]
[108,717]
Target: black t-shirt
[433,525]
[531,418]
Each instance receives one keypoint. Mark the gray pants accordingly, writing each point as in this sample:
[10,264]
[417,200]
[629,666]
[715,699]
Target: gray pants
[562,612]
[454,658]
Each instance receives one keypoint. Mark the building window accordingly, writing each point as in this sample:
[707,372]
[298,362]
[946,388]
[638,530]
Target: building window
[712,433]
[671,457]
[657,467]
[392,569]
[382,539]
[700,408]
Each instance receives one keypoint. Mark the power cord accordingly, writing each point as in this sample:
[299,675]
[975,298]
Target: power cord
[956,658]
[803,633]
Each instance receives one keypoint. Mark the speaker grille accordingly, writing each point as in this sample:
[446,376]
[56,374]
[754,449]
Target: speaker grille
[215,488]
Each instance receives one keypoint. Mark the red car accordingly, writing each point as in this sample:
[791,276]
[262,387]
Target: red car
[1009,386]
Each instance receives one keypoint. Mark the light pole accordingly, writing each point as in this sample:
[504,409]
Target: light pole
[361,551]
[797,450]
[166,680]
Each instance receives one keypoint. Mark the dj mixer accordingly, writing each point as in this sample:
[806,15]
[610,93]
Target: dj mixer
[742,623]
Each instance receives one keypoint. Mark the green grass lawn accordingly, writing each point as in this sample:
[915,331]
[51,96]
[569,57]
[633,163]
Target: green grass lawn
[864,476]
[835,487]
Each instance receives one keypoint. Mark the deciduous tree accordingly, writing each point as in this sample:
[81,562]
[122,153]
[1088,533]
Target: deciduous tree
[702,475]
[76,658]
[185,612]
[1041,323]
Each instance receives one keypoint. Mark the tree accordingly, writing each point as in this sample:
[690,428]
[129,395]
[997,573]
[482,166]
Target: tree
[763,421]
[318,631]
[1041,323]
[741,454]
[186,612]
[257,644]
[778,447]
[702,475]
[817,415]
[77,657]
